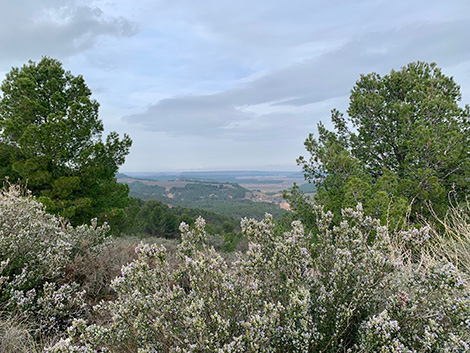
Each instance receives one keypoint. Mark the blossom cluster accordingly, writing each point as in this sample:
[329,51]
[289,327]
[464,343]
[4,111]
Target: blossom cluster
[35,248]
[345,289]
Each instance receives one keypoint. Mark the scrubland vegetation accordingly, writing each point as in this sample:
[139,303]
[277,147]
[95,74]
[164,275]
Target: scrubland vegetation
[353,286]
[377,261]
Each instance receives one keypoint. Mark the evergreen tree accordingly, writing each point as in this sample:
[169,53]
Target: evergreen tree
[405,141]
[51,139]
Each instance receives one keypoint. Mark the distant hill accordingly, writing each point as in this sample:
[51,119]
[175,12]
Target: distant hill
[264,181]
[224,198]
[308,188]
[121,175]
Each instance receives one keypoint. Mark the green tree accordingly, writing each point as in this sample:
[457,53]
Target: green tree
[51,139]
[405,141]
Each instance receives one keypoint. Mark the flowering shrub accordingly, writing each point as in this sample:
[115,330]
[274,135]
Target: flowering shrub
[430,314]
[205,303]
[345,288]
[35,248]
[353,265]
[346,291]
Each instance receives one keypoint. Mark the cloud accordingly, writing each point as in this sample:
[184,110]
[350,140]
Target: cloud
[58,28]
[308,83]
[197,115]
[271,33]
[220,83]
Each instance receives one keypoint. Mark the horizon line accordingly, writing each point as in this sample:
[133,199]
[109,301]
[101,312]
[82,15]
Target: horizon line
[216,171]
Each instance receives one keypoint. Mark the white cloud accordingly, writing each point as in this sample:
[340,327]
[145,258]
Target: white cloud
[217,83]
[326,77]
[31,29]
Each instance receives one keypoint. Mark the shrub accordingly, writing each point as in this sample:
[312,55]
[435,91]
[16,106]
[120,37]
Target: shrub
[349,290]
[35,248]
[205,303]
[353,266]
[94,270]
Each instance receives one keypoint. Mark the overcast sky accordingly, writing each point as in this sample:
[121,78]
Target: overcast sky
[230,84]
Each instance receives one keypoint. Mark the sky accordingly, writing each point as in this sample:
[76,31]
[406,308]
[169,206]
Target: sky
[232,84]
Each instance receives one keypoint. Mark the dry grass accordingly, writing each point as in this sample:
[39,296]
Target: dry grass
[95,270]
[449,241]
[456,243]
[453,244]
[15,337]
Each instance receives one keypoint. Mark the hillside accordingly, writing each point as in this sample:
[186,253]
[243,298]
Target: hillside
[225,198]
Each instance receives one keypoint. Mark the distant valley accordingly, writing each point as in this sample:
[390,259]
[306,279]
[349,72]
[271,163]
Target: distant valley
[235,193]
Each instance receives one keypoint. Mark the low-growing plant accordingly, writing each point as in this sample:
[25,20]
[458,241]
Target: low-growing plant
[94,270]
[15,336]
[204,303]
[454,244]
[35,248]
[430,312]
[353,266]
[344,289]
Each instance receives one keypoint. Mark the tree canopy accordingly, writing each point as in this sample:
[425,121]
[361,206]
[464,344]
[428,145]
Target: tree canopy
[51,139]
[403,146]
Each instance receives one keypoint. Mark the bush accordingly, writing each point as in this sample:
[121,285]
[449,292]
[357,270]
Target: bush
[94,270]
[35,248]
[430,312]
[350,290]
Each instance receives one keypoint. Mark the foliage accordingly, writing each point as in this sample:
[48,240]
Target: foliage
[143,191]
[153,218]
[196,191]
[302,207]
[239,208]
[409,144]
[191,191]
[156,219]
[35,248]
[350,290]
[50,138]
[308,188]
